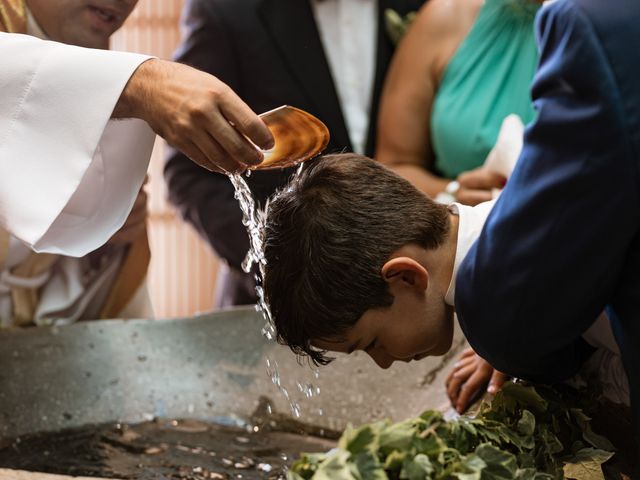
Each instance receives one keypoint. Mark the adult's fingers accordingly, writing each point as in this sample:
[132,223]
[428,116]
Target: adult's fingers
[466,371]
[245,120]
[468,196]
[463,362]
[467,352]
[191,150]
[458,378]
[498,379]
[211,155]
[232,142]
[470,388]
[453,388]
[482,179]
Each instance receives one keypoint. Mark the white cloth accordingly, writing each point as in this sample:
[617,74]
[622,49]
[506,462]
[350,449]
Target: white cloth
[104,191]
[349,31]
[62,190]
[605,365]
[504,155]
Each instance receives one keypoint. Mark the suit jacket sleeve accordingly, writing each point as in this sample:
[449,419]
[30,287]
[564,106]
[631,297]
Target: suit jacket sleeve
[203,198]
[553,248]
[60,191]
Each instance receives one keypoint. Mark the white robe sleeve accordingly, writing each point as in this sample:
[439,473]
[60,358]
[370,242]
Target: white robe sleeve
[65,187]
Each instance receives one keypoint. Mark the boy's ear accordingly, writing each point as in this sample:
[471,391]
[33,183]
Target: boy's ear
[406,270]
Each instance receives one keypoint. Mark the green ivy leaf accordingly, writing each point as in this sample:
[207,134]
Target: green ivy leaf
[586,464]
[417,468]
[500,464]
[399,436]
[394,460]
[336,467]
[395,25]
[366,466]
[360,439]
[527,423]
[520,435]
[597,441]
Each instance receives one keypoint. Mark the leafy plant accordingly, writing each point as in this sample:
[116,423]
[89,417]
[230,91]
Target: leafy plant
[396,25]
[525,433]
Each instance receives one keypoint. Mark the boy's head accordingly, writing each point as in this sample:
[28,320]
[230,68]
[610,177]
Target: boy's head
[357,258]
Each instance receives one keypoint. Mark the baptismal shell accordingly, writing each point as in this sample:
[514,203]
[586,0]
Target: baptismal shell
[298,136]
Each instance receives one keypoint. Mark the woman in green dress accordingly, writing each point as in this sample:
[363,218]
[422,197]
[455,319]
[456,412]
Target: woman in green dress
[463,66]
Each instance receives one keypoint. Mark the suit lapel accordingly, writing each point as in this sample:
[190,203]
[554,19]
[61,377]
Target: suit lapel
[384,52]
[296,37]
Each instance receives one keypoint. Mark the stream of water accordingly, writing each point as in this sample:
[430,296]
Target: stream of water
[253,218]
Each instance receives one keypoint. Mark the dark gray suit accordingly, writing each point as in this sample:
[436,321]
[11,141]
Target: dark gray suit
[270,53]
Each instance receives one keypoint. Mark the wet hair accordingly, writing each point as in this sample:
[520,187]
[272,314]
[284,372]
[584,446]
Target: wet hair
[328,235]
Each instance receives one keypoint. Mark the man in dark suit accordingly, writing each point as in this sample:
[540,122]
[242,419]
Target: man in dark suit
[274,52]
[563,241]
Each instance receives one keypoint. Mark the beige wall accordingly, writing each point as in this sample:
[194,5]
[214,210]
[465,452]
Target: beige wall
[183,269]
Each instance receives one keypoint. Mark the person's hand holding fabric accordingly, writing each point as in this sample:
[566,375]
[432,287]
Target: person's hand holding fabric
[478,185]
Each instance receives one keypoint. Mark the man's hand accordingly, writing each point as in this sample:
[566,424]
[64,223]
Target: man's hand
[197,114]
[476,186]
[469,375]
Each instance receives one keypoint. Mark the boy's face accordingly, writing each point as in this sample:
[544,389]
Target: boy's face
[418,323]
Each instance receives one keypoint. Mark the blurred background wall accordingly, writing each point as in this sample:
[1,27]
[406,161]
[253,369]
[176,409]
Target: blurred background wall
[183,268]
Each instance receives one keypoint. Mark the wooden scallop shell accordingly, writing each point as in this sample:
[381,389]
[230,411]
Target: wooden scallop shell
[298,136]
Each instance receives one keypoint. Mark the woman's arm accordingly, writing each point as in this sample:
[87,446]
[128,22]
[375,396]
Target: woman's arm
[404,122]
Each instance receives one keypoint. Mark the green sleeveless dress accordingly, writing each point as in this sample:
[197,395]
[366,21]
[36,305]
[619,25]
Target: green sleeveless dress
[487,79]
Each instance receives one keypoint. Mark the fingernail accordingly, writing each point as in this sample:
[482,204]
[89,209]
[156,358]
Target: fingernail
[491,389]
[257,158]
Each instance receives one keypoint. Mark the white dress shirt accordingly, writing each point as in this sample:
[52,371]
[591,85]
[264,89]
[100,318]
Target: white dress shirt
[349,31]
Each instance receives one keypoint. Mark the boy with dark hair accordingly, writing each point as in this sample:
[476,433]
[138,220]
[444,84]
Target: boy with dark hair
[358,259]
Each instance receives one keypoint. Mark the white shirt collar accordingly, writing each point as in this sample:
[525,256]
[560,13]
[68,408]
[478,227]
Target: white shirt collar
[471,221]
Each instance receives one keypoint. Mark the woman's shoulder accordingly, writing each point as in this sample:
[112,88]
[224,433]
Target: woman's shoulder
[447,18]
[439,29]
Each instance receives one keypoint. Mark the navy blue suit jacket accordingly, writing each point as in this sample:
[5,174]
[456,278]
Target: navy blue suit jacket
[563,242]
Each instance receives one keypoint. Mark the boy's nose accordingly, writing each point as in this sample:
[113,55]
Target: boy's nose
[381,358]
